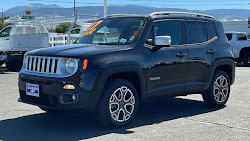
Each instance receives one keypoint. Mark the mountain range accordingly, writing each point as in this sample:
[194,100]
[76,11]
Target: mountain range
[49,10]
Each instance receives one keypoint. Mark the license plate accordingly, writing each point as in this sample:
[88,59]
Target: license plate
[3,57]
[32,90]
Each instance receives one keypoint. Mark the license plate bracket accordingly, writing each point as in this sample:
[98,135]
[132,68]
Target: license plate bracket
[32,90]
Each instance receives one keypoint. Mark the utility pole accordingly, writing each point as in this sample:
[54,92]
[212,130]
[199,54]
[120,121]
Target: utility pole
[105,8]
[74,6]
[2,19]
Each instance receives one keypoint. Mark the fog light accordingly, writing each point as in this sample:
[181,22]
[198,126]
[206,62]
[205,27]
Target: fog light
[69,87]
[74,97]
[68,98]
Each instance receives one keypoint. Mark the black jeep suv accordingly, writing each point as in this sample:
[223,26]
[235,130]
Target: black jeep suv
[122,59]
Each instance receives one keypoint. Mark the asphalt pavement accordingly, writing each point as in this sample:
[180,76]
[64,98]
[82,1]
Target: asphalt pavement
[175,119]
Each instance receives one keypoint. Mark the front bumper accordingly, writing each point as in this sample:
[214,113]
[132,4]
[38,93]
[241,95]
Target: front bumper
[52,94]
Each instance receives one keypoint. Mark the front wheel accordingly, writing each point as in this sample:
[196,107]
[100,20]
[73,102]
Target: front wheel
[47,110]
[218,91]
[14,65]
[246,59]
[118,104]
[1,63]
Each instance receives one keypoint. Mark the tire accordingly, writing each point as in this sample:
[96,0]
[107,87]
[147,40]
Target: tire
[14,65]
[118,104]
[246,59]
[1,63]
[238,61]
[218,91]
[49,110]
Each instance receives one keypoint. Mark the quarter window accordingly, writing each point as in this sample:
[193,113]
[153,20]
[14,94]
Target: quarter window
[211,30]
[197,32]
[170,28]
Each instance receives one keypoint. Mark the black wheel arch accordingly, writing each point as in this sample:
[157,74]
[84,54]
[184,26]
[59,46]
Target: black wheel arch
[127,72]
[227,65]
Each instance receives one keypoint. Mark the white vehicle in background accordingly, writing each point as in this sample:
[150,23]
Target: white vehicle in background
[26,35]
[241,46]
[236,25]
[4,41]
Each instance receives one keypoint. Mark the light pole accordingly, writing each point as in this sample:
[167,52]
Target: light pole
[2,19]
[105,8]
[74,6]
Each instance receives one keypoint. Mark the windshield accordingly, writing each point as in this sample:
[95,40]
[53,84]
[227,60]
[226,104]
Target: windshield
[113,31]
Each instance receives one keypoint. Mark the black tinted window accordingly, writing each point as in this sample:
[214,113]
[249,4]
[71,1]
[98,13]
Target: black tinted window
[241,37]
[171,28]
[197,32]
[5,32]
[211,30]
[229,36]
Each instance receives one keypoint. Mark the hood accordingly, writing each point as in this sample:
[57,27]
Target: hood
[77,50]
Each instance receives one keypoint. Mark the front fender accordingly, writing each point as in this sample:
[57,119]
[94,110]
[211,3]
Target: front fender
[105,74]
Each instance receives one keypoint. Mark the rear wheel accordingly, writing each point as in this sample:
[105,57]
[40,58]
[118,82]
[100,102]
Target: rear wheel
[246,59]
[118,104]
[219,90]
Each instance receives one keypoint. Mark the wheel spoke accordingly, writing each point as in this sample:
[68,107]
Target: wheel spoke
[118,94]
[216,85]
[114,98]
[113,107]
[129,108]
[121,115]
[221,81]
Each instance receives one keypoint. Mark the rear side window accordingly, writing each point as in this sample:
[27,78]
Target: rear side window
[171,28]
[211,30]
[197,32]
[229,36]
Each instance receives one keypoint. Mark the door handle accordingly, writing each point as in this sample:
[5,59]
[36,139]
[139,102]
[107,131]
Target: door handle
[7,39]
[211,51]
[181,54]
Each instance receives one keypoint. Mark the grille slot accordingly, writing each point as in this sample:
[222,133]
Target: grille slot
[42,65]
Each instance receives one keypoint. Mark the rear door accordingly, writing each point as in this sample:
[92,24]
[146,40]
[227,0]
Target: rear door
[202,52]
[166,68]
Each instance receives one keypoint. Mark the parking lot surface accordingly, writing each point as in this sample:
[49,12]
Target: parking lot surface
[181,118]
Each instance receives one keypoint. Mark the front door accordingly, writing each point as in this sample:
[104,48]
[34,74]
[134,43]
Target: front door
[166,68]
[5,39]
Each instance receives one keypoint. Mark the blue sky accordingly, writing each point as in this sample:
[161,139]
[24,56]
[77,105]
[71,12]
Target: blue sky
[187,4]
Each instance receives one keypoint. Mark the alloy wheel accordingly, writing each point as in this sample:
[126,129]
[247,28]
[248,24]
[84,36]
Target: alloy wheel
[221,89]
[121,104]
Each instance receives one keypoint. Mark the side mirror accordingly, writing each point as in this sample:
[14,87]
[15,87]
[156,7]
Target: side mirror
[162,40]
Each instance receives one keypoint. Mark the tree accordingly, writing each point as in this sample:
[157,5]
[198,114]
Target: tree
[4,24]
[63,28]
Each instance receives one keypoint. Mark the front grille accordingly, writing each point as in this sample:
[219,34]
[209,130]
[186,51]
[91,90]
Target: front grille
[41,65]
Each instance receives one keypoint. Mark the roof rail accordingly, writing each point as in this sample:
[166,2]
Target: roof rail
[164,13]
[119,15]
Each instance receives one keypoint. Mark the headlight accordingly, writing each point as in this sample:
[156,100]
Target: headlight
[71,65]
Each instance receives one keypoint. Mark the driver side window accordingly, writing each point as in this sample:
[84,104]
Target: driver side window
[170,28]
[5,32]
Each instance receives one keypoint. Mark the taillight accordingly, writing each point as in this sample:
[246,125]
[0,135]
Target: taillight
[3,52]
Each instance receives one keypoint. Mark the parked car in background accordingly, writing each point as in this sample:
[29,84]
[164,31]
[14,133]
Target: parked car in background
[241,46]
